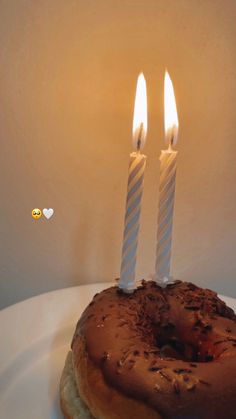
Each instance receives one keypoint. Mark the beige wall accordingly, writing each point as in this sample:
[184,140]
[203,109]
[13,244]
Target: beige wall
[68,72]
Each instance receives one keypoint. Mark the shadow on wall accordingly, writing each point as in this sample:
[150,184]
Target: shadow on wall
[94,252]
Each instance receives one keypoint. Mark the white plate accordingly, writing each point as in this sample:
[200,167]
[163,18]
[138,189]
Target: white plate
[35,338]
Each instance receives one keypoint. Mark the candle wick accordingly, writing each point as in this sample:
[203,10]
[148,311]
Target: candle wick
[139,140]
[171,143]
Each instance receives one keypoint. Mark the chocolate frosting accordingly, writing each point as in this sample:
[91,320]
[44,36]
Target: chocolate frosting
[172,348]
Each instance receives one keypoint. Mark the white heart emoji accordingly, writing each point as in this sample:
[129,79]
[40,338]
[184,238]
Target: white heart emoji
[48,213]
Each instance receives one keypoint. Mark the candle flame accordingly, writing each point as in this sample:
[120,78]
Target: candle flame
[171,116]
[140,114]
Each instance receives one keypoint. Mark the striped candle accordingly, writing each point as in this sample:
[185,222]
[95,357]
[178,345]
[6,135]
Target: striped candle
[168,160]
[137,166]
[168,167]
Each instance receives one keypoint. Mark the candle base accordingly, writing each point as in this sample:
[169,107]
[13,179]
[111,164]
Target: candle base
[126,290]
[163,281]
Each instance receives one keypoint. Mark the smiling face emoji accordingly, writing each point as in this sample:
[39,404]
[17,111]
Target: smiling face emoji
[36,213]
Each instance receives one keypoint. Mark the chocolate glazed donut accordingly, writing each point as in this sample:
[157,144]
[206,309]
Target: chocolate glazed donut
[172,351]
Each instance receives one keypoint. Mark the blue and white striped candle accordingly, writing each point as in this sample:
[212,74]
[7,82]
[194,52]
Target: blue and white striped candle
[137,166]
[168,168]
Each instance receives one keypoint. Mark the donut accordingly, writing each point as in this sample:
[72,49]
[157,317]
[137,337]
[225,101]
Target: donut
[155,353]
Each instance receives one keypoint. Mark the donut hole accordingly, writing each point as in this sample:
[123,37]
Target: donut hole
[173,348]
[176,347]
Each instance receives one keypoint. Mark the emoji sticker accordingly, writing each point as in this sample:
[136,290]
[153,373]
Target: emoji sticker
[48,212]
[36,213]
